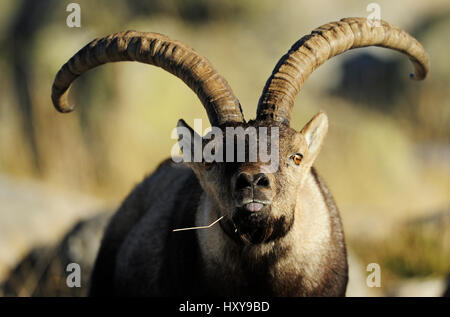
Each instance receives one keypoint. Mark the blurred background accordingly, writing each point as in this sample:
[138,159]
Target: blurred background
[386,158]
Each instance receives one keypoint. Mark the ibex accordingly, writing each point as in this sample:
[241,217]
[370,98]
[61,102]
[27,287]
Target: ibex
[280,232]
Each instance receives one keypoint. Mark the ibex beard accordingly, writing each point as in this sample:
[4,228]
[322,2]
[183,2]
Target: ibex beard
[280,231]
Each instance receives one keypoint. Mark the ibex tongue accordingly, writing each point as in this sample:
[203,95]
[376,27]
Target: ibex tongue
[253,207]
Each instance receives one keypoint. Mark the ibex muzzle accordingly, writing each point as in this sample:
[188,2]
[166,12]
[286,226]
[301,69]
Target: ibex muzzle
[280,231]
[253,194]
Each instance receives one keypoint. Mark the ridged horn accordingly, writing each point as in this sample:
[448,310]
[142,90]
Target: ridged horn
[158,50]
[329,40]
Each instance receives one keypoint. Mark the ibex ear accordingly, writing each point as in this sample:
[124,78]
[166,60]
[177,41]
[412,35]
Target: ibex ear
[190,142]
[314,132]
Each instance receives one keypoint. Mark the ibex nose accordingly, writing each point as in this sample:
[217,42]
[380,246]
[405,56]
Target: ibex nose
[245,180]
[261,179]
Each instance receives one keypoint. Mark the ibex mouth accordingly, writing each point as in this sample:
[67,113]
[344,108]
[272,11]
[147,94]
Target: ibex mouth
[253,206]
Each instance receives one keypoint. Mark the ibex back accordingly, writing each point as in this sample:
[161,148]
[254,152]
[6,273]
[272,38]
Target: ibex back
[280,232]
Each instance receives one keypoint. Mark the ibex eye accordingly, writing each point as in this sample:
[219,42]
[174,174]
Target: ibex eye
[297,158]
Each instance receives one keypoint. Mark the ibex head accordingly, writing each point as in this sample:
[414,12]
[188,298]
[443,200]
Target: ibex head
[257,202]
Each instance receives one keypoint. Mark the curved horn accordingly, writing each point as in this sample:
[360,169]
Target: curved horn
[155,49]
[329,40]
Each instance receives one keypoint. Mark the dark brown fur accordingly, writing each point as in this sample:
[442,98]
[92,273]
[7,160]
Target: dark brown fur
[165,263]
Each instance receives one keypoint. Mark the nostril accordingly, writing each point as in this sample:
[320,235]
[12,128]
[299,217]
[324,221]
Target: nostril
[261,180]
[243,180]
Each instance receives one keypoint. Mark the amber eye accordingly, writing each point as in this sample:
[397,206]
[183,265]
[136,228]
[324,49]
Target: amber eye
[297,158]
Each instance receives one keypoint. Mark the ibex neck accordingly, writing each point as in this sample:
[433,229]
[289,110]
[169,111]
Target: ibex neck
[301,254]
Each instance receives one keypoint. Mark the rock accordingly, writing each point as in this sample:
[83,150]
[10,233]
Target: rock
[415,287]
[447,290]
[35,214]
[357,285]
[42,272]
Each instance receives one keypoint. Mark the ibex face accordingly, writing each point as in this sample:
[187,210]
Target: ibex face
[259,196]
